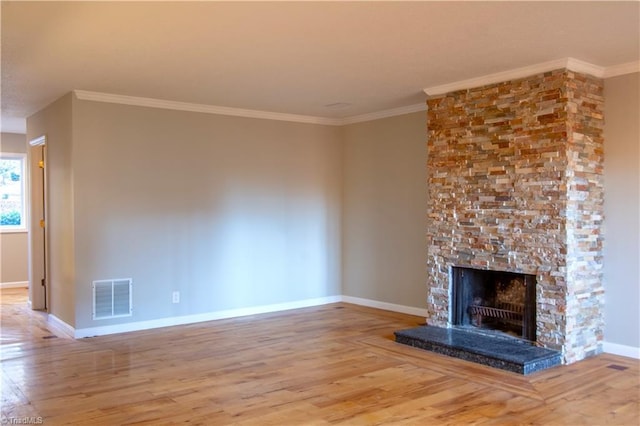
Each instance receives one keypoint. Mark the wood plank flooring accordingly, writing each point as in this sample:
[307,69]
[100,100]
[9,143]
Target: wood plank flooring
[334,364]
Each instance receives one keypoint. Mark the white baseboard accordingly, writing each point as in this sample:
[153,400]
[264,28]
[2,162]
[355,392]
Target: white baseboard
[409,310]
[230,313]
[16,284]
[60,325]
[622,350]
[209,316]
[608,347]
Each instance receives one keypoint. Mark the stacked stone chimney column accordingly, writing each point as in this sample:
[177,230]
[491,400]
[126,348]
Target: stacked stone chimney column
[515,184]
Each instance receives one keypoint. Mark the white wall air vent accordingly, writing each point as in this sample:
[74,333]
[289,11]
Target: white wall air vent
[112,298]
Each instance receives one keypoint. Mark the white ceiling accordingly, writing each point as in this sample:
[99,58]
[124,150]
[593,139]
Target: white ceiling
[292,57]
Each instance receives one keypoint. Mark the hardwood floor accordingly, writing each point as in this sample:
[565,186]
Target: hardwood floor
[334,364]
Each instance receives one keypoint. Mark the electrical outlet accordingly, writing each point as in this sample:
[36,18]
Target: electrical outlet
[176,297]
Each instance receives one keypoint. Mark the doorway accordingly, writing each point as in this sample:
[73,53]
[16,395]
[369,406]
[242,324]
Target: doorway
[38,256]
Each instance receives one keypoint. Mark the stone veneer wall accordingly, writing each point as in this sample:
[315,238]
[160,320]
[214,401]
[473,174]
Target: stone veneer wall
[515,184]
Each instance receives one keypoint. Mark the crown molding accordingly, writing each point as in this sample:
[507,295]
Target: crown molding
[622,69]
[385,113]
[572,64]
[583,67]
[496,77]
[86,95]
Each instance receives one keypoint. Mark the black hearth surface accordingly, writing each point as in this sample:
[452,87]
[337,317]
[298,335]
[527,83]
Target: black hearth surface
[495,351]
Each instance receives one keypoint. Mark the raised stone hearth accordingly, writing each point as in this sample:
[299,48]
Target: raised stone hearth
[515,185]
[499,352]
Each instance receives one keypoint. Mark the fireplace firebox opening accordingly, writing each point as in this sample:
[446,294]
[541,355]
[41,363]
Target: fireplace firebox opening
[497,301]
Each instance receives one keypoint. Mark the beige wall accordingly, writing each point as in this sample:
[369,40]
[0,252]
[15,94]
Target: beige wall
[384,210]
[231,212]
[237,212]
[622,210]
[55,122]
[13,245]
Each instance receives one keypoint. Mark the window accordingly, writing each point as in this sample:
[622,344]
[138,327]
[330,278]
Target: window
[12,192]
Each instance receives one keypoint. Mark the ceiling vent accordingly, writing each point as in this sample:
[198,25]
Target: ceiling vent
[112,298]
[338,105]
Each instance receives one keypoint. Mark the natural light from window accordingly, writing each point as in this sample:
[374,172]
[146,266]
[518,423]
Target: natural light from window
[12,192]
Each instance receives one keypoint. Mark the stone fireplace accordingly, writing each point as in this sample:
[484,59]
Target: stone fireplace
[515,186]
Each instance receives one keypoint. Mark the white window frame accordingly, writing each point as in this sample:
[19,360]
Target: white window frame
[23,227]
